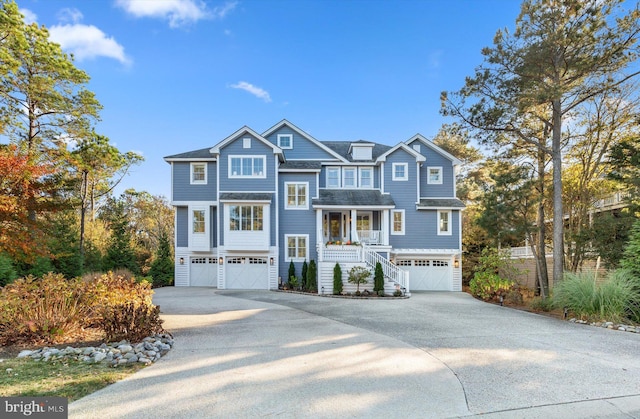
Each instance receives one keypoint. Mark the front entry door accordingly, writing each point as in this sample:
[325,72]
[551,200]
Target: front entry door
[335,226]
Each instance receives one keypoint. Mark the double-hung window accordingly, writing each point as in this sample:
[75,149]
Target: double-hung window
[349,177]
[297,197]
[285,141]
[246,218]
[198,220]
[397,222]
[366,177]
[333,177]
[434,175]
[198,173]
[400,171]
[297,247]
[444,223]
[247,167]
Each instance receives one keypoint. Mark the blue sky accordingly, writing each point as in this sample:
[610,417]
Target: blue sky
[179,75]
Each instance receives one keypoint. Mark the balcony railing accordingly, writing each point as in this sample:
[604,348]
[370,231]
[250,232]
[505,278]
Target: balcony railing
[370,236]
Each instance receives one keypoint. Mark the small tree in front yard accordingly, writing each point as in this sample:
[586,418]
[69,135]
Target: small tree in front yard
[305,268]
[312,277]
[378,279]
[359,275]
[337,279]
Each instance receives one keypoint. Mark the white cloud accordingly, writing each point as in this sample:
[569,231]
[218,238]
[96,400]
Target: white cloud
[86,42]
[254,90]
[219,12]
[29,16]
[177,12]
[69,14]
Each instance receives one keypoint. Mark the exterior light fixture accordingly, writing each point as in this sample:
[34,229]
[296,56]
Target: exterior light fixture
[272,261]
[181,261]
[220,260]
[322,289]
[456,263]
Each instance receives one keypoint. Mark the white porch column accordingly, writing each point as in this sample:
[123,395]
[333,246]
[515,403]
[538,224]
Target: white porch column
[385,227]
[354,224]
[319,233]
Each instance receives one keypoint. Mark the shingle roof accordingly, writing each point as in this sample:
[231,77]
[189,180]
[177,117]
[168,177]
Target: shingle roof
[441,203]
[245,196]
[301,165]
[342,148]
[195,154]
[353,198]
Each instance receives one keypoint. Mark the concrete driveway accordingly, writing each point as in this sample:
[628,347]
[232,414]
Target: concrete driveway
[270,354]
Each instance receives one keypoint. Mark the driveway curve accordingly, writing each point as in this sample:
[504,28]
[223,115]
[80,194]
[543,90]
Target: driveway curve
[264,354]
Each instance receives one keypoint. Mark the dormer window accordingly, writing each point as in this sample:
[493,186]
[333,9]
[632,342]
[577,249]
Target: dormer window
[285,141]
[361,151]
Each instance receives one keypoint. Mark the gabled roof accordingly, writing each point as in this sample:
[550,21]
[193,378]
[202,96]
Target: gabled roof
[239,133]
[344,149]
[405,147]
[435,148]
[439,203]
[202,155]
[320,144]
[353,198]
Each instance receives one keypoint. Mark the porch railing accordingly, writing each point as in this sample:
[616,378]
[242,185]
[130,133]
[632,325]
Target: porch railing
[391,271]
[370,236]
[339,253]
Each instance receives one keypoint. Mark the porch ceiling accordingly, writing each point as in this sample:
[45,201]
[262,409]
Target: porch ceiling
[352,198]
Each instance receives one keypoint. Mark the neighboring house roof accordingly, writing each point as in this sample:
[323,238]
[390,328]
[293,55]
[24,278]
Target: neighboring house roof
[431,203]
[352,198]
[245,196]
[202,154]
[300,165]
[246,130]
[405,147]
[434,147]
[320,144]
[343,148]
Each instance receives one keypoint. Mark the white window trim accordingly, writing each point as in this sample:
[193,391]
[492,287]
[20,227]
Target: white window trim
[286,196]
[398,233]
[246,142]
[286,242]
[355,177]
[406,171]
[429,168]
[198,182]
[449,231]
[240,156]
[337,168]
[204,220]
[370,169]
[290,136]
[240,206]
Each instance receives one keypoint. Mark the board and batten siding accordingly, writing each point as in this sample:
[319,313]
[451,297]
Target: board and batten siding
[303,149]
[296,221]
[183,190]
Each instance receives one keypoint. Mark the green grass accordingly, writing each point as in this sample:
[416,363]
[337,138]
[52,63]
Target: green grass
[63,378]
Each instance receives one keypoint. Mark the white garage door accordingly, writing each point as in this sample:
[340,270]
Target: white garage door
[204,272]
[247,273]
[428,274]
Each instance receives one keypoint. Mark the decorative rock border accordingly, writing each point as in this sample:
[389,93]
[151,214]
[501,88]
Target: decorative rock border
[146,352]
[609,325]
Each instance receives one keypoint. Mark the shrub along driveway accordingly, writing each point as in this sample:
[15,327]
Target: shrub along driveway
[253,353]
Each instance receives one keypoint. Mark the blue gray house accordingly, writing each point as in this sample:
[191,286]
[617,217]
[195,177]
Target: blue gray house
[248,206]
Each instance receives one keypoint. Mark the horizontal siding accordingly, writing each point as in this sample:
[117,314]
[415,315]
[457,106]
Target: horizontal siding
[184,191]
[182,227]
[421,231]
[258,148]
[181,277]
[303,149]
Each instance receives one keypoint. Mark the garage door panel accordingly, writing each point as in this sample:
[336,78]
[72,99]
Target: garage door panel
[247,273]
[203,272]
[429,274]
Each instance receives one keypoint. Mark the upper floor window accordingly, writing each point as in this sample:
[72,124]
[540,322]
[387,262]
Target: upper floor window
[297,247]
[198,219]
[397,222]
[198,173]
[416,147]
[444,223]
[400,171]
[247,166]
[434,175]
[246,142]
[333,177]
[366,177]
[297,197]
[349,177]
[285,140]
[246,218]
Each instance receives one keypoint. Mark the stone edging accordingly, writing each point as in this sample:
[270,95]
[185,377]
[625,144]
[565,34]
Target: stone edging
[146,352]
[608,325]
